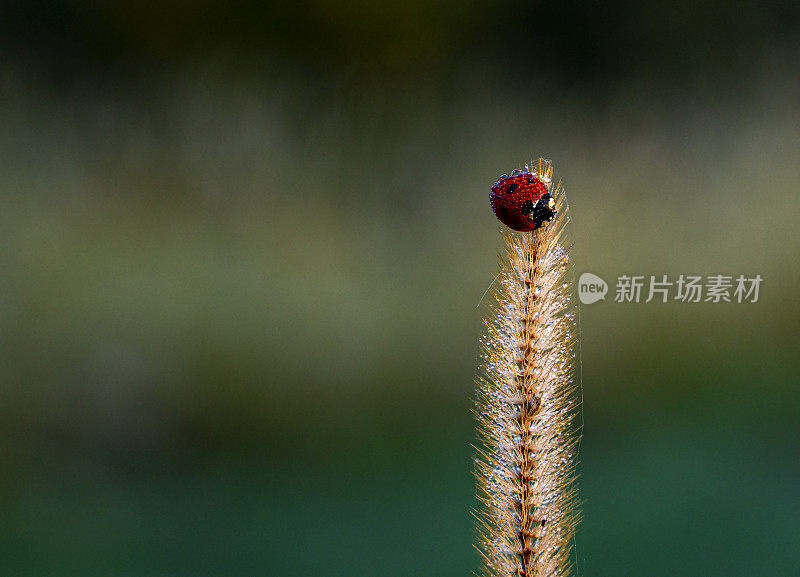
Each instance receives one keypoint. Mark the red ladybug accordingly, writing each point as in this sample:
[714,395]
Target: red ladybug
[522,201]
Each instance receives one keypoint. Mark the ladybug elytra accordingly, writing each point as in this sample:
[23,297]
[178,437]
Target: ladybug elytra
[522,201]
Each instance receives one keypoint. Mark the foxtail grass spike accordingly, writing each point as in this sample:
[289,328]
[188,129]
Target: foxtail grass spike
[527,399]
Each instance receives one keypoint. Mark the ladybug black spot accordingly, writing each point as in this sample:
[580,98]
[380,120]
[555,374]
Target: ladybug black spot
[503,212]
[527,207]
[511,188]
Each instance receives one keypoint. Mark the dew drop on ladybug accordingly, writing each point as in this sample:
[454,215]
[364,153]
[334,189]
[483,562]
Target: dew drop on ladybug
[521,201]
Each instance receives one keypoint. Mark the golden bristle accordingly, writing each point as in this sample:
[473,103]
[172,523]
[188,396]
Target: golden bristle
[527,404]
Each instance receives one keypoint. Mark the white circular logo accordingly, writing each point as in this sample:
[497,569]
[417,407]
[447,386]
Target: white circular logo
[591,288]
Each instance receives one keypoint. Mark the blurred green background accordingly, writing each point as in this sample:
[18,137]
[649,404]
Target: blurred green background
[243,245]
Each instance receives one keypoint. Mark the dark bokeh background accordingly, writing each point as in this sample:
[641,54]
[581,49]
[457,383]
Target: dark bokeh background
[243,245]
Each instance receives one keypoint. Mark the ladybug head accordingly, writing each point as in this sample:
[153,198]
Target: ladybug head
[522,201]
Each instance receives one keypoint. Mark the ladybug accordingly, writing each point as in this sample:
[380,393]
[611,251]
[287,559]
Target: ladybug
[522,201]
